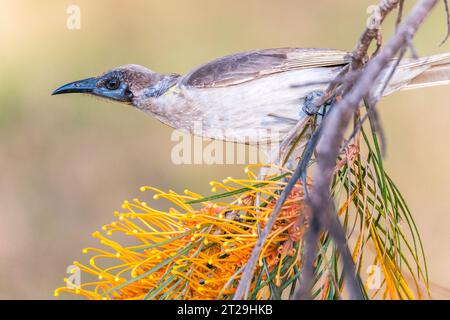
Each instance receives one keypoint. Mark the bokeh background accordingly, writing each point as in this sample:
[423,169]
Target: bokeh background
[68,162]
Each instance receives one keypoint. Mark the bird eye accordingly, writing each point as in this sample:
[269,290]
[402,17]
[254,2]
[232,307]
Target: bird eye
[112,84]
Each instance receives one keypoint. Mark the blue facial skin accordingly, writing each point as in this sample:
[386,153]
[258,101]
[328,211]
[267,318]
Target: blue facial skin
[122,93]
[89,86]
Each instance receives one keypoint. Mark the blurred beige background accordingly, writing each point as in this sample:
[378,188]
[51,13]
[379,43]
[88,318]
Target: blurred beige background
[67,162]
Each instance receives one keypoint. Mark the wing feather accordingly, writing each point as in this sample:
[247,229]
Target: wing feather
[246,66]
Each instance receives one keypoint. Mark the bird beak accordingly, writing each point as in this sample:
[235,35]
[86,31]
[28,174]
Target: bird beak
[81,86]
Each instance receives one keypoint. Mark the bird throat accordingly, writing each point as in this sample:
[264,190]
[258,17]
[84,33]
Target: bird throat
[161,87]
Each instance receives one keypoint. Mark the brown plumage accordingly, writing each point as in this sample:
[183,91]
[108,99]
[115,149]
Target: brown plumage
[246,66]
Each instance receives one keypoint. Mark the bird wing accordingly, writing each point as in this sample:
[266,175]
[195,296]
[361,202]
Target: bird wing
[246,66]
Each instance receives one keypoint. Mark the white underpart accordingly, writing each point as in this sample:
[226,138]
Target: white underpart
[257,111]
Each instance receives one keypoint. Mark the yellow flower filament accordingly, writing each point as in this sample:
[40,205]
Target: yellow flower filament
[193,250]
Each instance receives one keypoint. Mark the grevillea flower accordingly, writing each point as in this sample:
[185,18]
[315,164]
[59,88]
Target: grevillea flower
[198,247]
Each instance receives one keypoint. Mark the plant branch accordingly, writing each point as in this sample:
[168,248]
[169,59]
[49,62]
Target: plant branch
[359,54]
[334,127]
[249,269]
[323,213]
[447,14]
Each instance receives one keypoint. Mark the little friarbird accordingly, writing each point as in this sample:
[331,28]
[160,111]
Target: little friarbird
[239,97]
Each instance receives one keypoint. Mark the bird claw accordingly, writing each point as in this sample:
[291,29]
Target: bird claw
[310,105]
[314,101]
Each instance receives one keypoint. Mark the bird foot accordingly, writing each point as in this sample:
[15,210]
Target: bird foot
[314,101]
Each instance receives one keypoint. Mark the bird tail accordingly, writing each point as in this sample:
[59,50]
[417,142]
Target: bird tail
[415,73]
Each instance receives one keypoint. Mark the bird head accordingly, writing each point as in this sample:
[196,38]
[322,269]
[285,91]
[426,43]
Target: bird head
[123,84]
